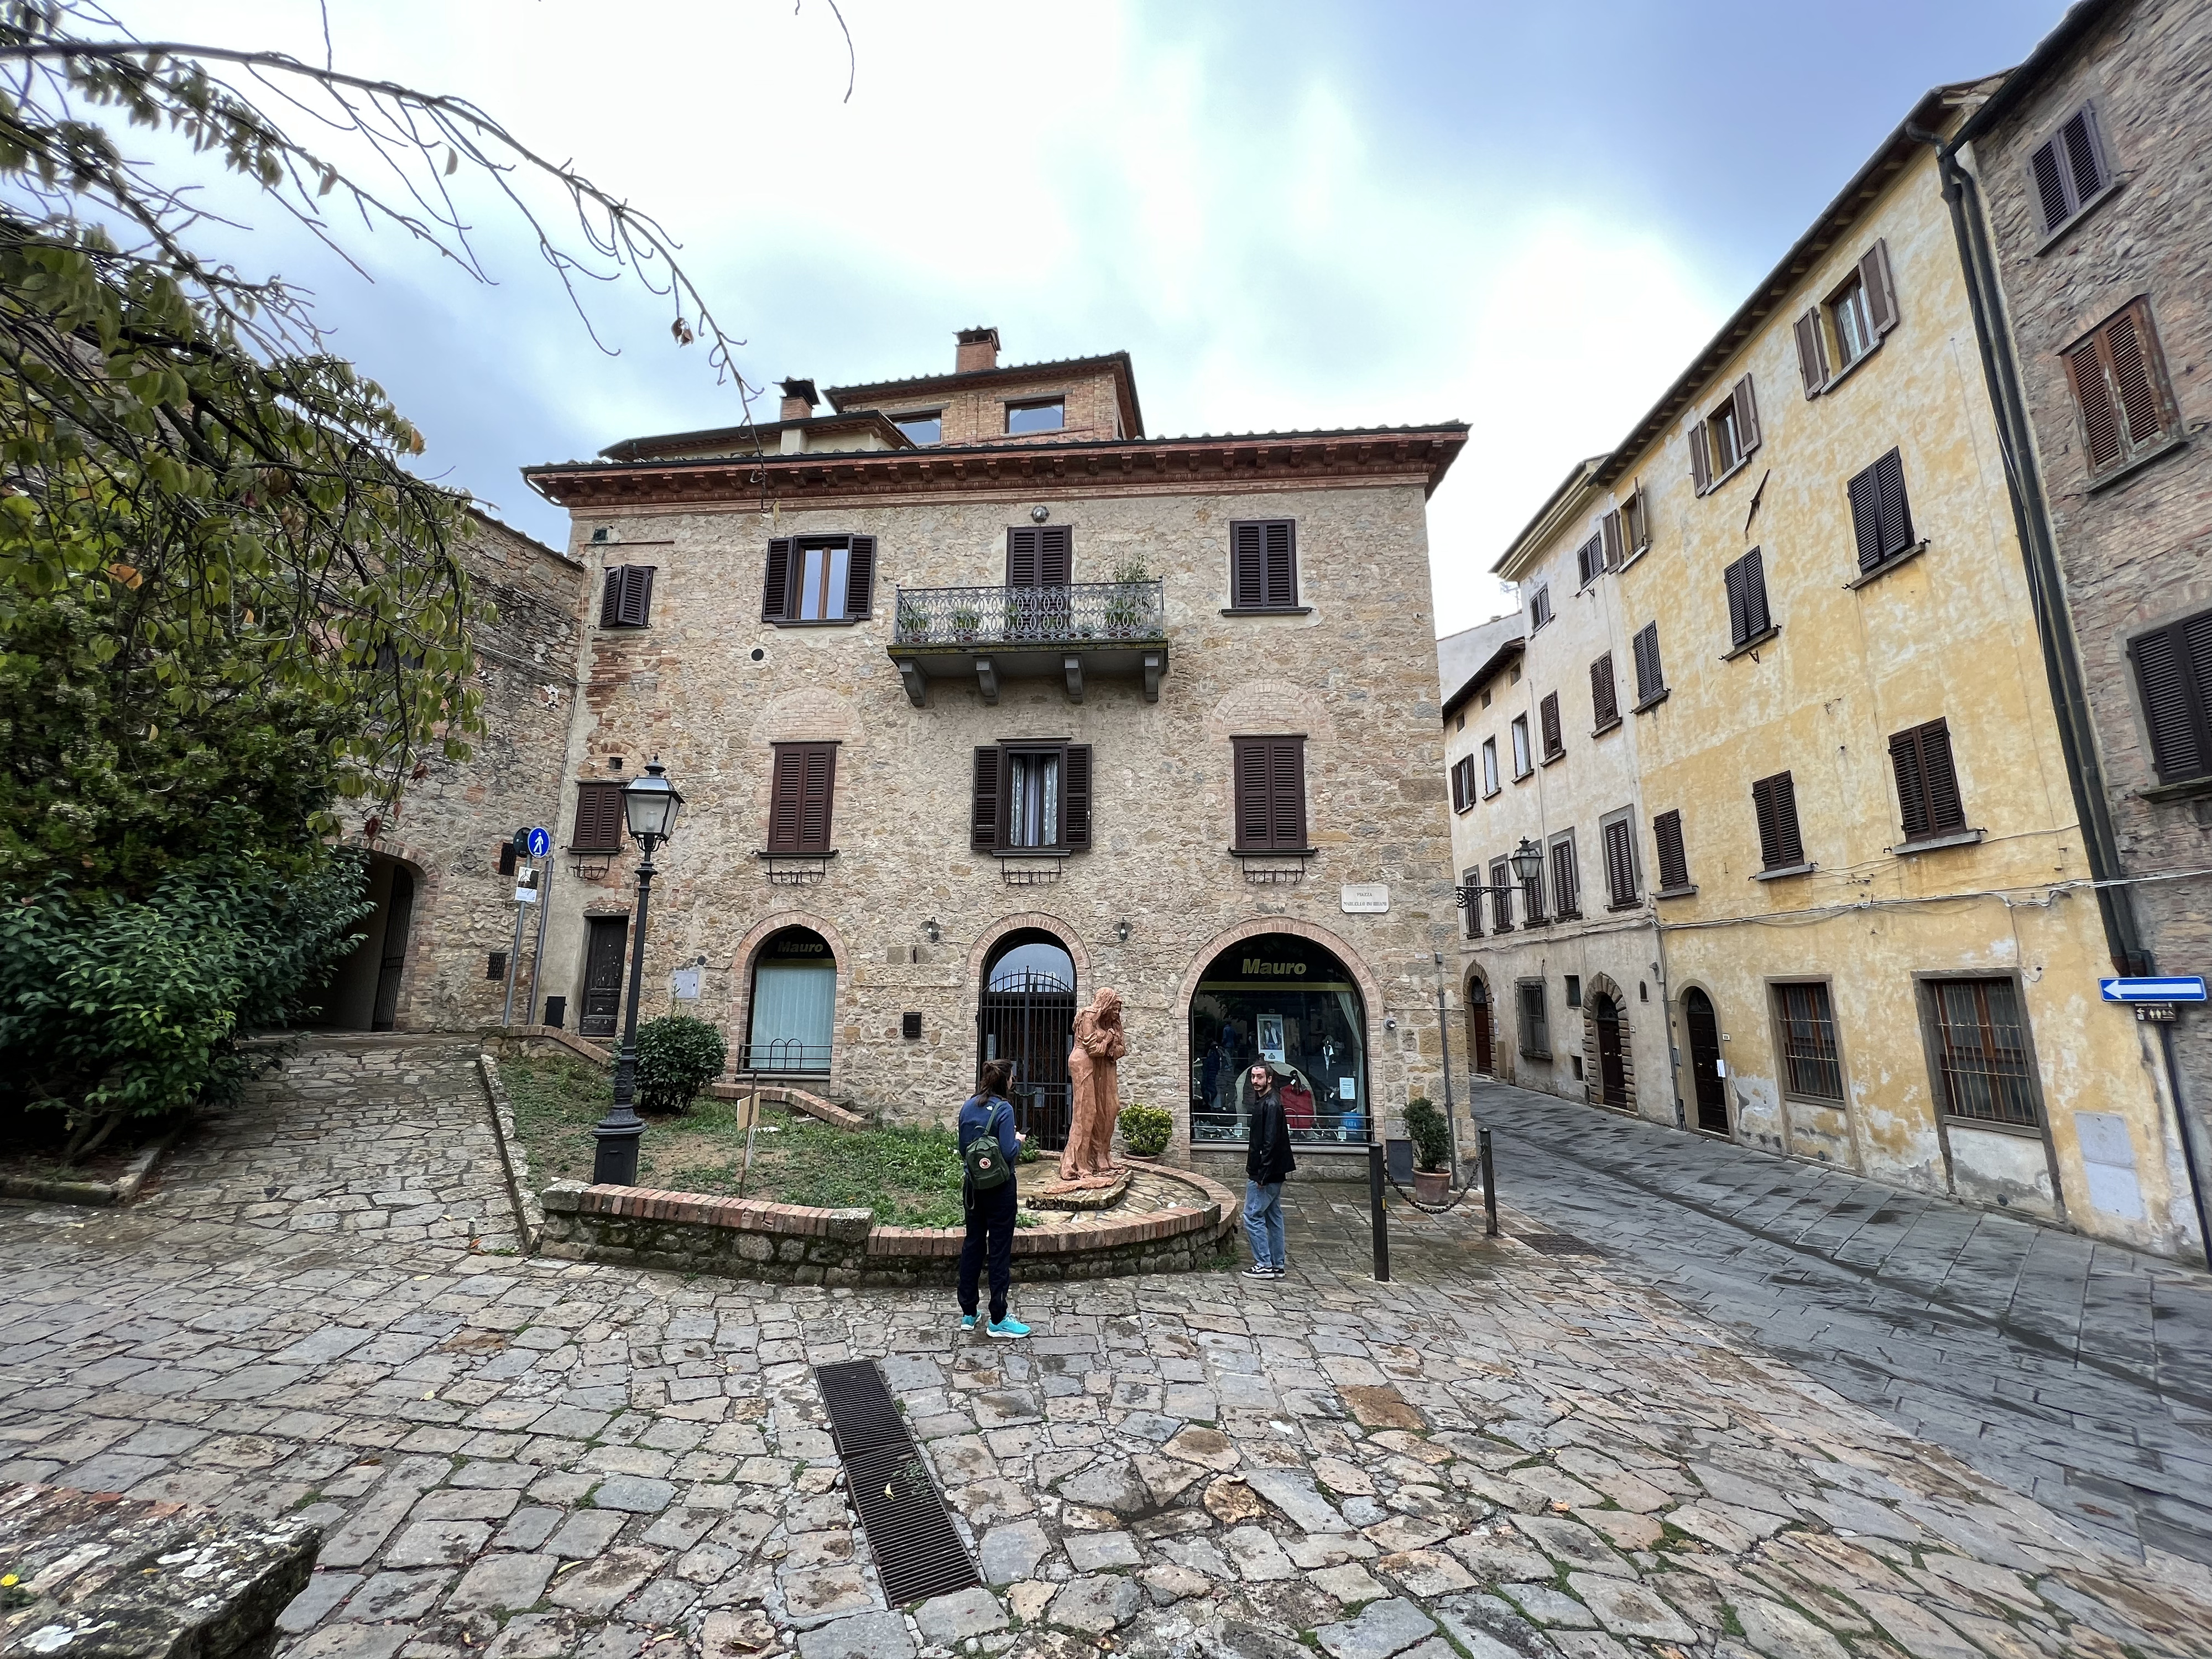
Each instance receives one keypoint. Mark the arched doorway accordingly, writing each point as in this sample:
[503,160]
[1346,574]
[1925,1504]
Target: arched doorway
[1287,1000]
[1026,1013]
[794,1006]
[1706,1081]
[1479,1034]
[1612,1050]
[363,994]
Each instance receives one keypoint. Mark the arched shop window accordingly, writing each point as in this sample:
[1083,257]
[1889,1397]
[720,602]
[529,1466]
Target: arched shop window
[795,1005]
[1288,1001]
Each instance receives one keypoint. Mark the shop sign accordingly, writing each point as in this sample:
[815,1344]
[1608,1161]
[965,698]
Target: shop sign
[1363,898]
[1255,968]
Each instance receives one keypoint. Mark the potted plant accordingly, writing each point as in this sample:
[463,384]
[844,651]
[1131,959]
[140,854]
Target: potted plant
[1146,1130]
[966,625]
[913,623]
[1431,1138]
[1125,606]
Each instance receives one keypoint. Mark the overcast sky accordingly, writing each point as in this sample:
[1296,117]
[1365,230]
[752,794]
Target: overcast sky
[1524,216]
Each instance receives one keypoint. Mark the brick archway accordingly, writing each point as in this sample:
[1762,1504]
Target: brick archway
[741,981]
[1482,1027]
[1602,985]
[1027,921]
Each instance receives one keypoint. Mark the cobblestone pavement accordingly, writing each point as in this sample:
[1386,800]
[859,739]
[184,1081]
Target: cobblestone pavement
[2075,1371]
[1498,1455]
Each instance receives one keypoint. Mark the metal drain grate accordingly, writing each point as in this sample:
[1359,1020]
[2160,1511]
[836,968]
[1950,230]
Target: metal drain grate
[1558,1244]
[918,1553]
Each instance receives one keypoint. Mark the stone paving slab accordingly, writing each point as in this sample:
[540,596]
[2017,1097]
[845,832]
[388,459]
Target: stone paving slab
[1500,1454]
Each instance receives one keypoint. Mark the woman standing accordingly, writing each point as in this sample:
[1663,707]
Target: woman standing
[987,1115]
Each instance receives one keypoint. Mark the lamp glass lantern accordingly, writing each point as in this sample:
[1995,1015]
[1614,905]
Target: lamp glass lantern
[650,803]
[1528,860]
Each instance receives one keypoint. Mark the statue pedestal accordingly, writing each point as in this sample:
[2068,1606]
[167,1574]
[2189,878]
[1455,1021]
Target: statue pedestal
[1091,1193]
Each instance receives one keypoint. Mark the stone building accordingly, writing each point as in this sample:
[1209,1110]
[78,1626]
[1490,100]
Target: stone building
[2086,207]
[1877,928]
[436,953]
[981,700]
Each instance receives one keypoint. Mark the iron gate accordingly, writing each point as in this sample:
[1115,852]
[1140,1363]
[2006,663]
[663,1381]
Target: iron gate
[1028,1018]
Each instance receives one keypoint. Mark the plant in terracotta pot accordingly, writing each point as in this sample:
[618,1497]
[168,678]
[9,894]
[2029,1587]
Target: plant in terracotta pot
[1431,1139]
[1146,1130]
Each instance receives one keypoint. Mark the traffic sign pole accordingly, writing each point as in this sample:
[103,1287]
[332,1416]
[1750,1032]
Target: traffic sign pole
[531,1013]
[514,967]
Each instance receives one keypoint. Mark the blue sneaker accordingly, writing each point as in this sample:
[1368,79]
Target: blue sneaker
[1008,1326]
[967,1321]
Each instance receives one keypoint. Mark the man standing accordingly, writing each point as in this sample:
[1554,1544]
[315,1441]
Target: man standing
[987,1115]
[1268,1161]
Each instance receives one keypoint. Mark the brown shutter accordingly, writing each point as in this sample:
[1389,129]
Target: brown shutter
[816,797]
[2102,438]
[1075,797]
[1636,521]
[1056,554]
[1947,811]
[2085,164]
[1912,783]
[1472,911]
[632,592]
[860,579]
[1747,418]
[1287,791]
[983,803]
[1880,292]
[1673,863]
[1650,681]
[2174,672]
[1754,593]
[1775,799]
[1022,560]
[1701,464]
[1501,897]
[776,581]
[610,597]
[1896,514]
[1548,715]
[1620,863]
[1586,557]
[1254,823]
[1282,563]
[787,797]
[1605,699]
[598,819]
[1248,567]
[1811,352]
[1462,783]
[2051,193]
[1866,518]
[2132,349]
[1610,529]
[1566,896]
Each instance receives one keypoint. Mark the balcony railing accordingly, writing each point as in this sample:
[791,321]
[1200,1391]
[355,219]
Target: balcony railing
[1084,613]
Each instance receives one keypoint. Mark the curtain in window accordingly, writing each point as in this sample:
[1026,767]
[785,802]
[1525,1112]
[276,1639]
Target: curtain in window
[1033,800]
[792,1009]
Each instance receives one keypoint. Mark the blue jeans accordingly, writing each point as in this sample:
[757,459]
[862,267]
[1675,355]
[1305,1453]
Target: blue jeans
[1263,1222]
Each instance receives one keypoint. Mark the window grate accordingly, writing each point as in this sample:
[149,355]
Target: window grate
[917,1552]
[1984,1052]
[1809,1056]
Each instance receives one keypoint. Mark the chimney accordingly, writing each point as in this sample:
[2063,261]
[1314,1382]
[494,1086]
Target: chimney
[978,352]
[798,400]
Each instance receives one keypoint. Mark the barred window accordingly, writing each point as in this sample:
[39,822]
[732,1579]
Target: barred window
[1982,1051]
[1813,1068]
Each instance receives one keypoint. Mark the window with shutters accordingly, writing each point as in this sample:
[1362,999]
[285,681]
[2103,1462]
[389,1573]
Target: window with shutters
[1636,525]
[1605,696]
[1881,518]
[1650,677]
[1501,897]
[1263,565]
[1522,766]
[1842,332]
[1726,437]
[1617,841]
[1674,860]
[1548,716]
[1040,555]
[1535,1029]
[1271,794]
[1982,1052]
[599,827]
[2121,397]
[1489,766]
[812,579]
[627,601]
[1566,879]
[1471,912]
[1540,607]
[1590,560]
[2069,173]
[1812,1065]
[1462,783]
[1927,783]
[799,796]
[1750,620]
[1036,415]
[2173,678]
[1031,799]
[1781,848]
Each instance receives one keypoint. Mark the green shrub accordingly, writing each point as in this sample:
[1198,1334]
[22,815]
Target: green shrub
[677,1057]
[1146,1130]
[1432,1135]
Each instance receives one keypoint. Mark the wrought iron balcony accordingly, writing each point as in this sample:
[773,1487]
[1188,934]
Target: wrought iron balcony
[989,633]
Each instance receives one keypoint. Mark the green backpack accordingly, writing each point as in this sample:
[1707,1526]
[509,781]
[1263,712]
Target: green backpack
[988,1166]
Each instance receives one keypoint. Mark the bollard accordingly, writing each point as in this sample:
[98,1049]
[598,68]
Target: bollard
[1376,1220]
[1489,1185]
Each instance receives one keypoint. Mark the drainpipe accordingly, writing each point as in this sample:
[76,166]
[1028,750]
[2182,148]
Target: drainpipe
[2062,663]
[1667,1019]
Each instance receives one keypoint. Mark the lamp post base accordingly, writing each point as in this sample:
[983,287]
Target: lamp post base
[614,1161]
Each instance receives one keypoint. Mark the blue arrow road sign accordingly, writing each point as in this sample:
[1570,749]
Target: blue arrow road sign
[541,844]
[2190,988]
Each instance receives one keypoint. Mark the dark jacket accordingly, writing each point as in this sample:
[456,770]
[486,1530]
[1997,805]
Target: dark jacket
[976,1114]
[1268,1154]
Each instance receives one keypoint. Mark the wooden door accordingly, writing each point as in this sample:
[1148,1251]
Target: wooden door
[603,976]
[400,914]
[1705,1062]
[1478,1019]
[1612,1071]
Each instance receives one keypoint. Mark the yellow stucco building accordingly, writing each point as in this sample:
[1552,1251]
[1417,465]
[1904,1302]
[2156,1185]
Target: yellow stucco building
[1855,835]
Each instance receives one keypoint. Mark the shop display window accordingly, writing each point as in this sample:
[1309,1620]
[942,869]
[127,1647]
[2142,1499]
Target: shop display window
[1287,1001]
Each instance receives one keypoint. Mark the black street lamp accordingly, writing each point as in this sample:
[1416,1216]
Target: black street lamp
[1528,862]
[649,804]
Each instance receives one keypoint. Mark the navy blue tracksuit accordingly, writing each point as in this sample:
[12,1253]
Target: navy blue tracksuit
[991,1214]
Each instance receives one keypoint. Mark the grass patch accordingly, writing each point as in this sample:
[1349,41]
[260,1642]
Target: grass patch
[910,1177]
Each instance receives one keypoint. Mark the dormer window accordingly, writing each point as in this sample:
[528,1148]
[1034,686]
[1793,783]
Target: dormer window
[924,428]
[1039,415]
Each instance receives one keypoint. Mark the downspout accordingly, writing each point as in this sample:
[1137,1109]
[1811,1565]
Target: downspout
[2061,664]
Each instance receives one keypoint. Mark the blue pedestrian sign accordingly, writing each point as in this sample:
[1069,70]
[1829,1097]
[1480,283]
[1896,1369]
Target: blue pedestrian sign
[2171,988]
[541,844]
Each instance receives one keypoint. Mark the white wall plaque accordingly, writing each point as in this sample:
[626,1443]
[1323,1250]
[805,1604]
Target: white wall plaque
[1363,898]
[686,985]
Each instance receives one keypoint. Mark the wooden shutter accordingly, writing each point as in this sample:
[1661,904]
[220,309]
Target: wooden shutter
[1056,554]
[776,581]
[1248,567]
[983,801]
[1023,565]
[860,579]
[1255,822]
[1746,597]
[1812,352]
[2047,169]
[1605,700]
[1880,292]
[1636,524]
[2174,672]
[800,793]
[1282,563]
[1650,681]
[1673,863]
[1270,793]
[598,819]
[610,597]
[1609,531]
[2085,162]
[1286,789]
[1462,783]
[1747,418]
[2119,386]
[1567,896]
[1501,897]
[1701,464]
[1472,910]
[1547,712]
[1894,511]
[626,600]
[1540,607]
[1927,783]
[2126,337]
[1775,800]
[2069,169]
[1075,797]
[1866,518]
[1619,864]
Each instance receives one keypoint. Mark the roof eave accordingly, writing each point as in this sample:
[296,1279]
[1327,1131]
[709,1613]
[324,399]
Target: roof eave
[2079,21]
[1537,533]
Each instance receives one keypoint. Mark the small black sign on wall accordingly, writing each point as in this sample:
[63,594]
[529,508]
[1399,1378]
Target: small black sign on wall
[910,1027]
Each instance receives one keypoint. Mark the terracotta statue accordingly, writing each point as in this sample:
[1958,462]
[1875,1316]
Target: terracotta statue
[1094,1096]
